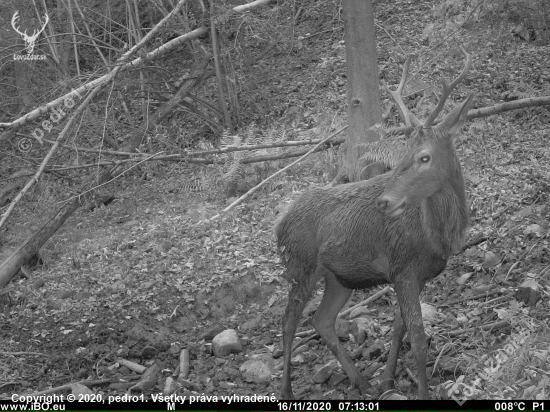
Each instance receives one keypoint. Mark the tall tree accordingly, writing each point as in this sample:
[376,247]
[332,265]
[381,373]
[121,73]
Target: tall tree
[364,108]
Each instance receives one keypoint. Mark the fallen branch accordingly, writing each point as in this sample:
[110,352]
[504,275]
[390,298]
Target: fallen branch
[467,298]
[505,107]
[23,353]
[490,327]
[290,143]
[254,189]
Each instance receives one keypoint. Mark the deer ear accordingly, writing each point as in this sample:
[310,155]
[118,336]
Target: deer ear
[454,121]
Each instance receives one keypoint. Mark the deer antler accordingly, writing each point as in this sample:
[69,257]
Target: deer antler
[447,88]
[24,34]
[408,118]
[38,31]
[14,22]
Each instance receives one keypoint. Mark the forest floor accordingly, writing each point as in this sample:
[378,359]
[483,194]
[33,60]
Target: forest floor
[138,280]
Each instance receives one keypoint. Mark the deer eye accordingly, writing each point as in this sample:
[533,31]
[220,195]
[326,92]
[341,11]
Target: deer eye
[425,159]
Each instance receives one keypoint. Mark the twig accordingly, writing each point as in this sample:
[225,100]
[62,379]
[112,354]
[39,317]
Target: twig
[467,298]
[8,384]
[434,47]
[497,299]
[304,333]
[521,258]
[23,353]
[441,352]
[372,298]
[411,375]
[473,243]
[490,326]
[110,180]
[546,269]
[398,44]
[312,334]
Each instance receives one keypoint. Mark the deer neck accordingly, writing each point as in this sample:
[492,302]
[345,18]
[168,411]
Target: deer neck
[445,216]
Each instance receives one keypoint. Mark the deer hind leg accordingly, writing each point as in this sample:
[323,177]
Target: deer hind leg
[335,297]
[301,287]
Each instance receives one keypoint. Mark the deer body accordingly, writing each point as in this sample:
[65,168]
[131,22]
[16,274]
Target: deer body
[397,228]
[361,246]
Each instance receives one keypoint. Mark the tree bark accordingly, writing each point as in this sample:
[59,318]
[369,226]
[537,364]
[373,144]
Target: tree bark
[364,108]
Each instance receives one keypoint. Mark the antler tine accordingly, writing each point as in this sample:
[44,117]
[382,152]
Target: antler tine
[14,22]
[47,18]
[36,32]
[447,88]
[407,116]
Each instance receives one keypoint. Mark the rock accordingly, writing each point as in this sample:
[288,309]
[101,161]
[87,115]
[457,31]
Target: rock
[255,371]
[277,353]
[342,328]
[231,371]
[66,294]
[533,229]
[53,304]
[429,313]
[360,329]
[451,321]
[529,292]
[324,372]
[175,349]
[490,260]
[464,278]
[304,357]
[166,245]
[83,295]
[225,385]
[226,342]
[149,352]
[38,283]
[300,349]
[482,288]
[373,351]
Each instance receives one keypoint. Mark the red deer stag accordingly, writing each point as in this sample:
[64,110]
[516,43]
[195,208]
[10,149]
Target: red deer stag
[400,227]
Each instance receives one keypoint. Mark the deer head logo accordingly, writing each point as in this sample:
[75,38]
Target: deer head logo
[29,40]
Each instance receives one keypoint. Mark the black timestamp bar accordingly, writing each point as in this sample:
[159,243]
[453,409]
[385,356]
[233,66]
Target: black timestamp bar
[147,404]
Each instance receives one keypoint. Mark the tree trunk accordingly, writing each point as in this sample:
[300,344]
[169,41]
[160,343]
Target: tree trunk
[65,44]
[364,108]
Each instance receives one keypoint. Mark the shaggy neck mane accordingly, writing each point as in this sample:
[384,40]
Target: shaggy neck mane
[445,213]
